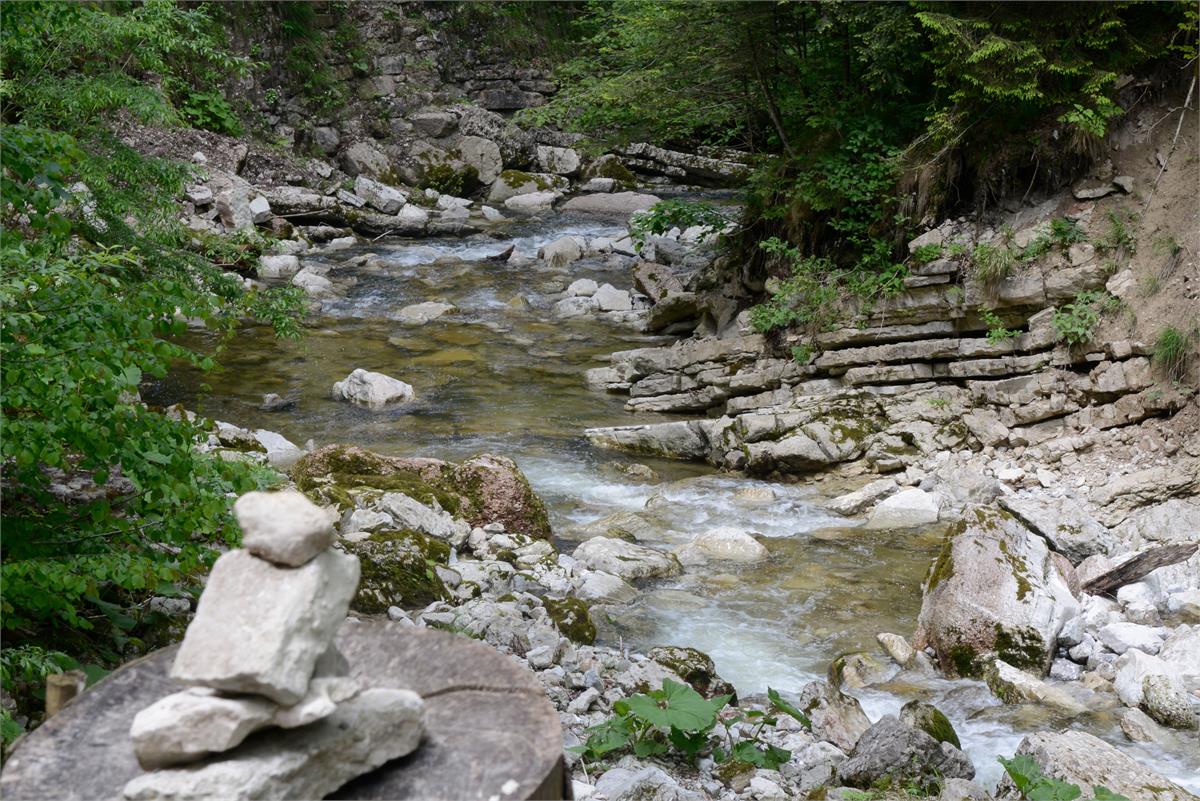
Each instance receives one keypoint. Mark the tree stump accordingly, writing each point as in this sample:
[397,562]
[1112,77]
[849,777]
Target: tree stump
[488,724]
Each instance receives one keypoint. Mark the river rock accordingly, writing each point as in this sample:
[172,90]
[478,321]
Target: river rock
[1120,637]
[1065,523]
[609,298]
[1167,700]
[994,588]
[190,725]
[616,204]
[626,560]
[1085,760]
[1133,667]
[374,727]
[906,509]
[282,453]
[892,753]
[416,516]
[532,202]
[364,158]
[561,251]
[695,667]
[558,160]
[379,196]
[282,620]
[896,647]
[373,390]
[644,784]
[1013,686]
[511,183]
[314,284]
[604,588]
[836,717]
[422,313]
[482,154]
[283,527]
[277,267]
[582,288]
[413,216]
[726,544]
[855,502]
[575,306]
[931,720]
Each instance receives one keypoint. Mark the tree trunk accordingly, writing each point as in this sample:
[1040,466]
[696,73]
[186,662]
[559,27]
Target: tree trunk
[1139,567]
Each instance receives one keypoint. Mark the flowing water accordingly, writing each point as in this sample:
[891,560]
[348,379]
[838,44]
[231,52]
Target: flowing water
[504,375]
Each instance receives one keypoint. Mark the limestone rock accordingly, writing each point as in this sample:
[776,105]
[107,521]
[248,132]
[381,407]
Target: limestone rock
[364,158]
[725,544]
[434,123]
[278,267]
[1085,760]
[314,284]
[1015,686]
[1064,522]
[609,298]
[380,196]
[561,251]
[931,720]
[1120,637]
[558,160]
[1165,699]
[896,647]
[694,667]
[616,204]
[605,588]
[283,527]
[280,621]
[626,560]
[532,202]
[890,752]
[511,183]
[373,390]
[189,725]
[854,502]
[836,717]
[582,288]
[374,727]
[994,588]
[482,154]
[415,516]
[422,313]
[646,784]
[906,509]
[1133,667]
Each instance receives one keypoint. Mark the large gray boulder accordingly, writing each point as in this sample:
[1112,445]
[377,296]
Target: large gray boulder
[617,204]
[373,390]
[626,560]
[483,155]
[379,196]
[374,727]
[836,717]
[1065,523]
[646,784]
[908,508]
[558,160]
[422,313]
[1087,761]
[261,628]
[995,588]
[562,251]
[891,753]
[511,183]
[364,158]
[283,527]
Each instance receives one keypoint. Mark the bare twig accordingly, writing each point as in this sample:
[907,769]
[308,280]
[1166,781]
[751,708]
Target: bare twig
[1183,115]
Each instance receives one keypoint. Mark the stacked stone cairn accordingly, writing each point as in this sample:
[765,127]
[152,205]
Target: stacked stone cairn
[260,654]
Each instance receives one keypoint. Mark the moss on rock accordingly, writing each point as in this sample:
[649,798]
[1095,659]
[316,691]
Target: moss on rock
[398,570]
[573,618]
[695,667]
[929,719]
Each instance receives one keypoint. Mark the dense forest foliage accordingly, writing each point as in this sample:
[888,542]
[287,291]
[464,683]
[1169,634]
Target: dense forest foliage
[106,501]
[865,119]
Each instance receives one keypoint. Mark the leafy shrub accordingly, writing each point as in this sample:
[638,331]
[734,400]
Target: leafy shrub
[1076,321]
[1119,237]
[1065,232]
[927,253]
[208,110]
[997,333]
[677,717]
[683,214]
[1172,352]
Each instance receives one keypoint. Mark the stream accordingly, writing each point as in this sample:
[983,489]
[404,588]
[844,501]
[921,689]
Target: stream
[504,375]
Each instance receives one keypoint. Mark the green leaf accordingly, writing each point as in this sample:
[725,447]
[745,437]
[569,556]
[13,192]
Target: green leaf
[1102,793]
[783,706]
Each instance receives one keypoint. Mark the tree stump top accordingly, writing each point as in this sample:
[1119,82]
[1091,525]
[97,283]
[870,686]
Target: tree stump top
[488,723]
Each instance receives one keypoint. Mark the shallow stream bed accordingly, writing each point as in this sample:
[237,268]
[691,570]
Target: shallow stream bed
[502,374]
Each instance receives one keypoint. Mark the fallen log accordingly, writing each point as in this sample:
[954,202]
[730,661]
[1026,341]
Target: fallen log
[1139,567]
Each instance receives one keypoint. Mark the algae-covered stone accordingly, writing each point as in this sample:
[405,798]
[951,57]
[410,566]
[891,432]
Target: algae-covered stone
[573,619]
[929,719]
[695,667]
[836,717]
[892,754]
[995,588]
[398,570]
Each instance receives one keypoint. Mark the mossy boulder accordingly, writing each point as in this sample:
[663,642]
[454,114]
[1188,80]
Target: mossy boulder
[609,166]
[695,667]
[859,669]
[995,590]
[483,489]
[398,569]
[573,618]
[929,719]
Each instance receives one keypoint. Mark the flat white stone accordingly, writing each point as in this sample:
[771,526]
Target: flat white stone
[722,544]
[283,527]
[906,509]
[373,390]
[374,727]
[1120,637]
[260,628]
